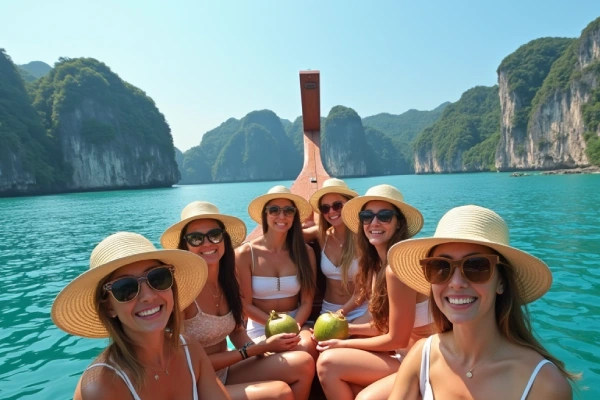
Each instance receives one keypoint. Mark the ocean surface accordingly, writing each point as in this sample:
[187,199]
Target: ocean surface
[46,241]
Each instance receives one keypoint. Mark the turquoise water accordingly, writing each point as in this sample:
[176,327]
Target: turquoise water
[46,241]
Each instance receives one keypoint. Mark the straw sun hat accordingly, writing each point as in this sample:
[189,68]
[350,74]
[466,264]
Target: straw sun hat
[388,193]
[235,227]
[332,185]
[471,224]
[73,310]
[257,206]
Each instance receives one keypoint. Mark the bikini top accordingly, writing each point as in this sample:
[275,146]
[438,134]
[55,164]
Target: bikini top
[209,329]
[125,378]
[425,385]
[271,287]
[331,271]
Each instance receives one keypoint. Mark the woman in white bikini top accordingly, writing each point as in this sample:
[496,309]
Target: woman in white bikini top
[277,270]
[480,285]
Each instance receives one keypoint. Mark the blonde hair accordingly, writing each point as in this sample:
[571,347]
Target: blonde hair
[348,247]
[122,349]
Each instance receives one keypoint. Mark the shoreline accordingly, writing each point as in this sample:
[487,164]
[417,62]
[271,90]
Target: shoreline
[566,171]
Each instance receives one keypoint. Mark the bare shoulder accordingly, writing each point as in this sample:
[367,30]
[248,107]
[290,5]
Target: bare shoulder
[101,383]
[550,384]
[242,253]
[412,360]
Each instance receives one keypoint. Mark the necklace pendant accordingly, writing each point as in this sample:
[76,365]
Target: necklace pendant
[469,374]
[156,376]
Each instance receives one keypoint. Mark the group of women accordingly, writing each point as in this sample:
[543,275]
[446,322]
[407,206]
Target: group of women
[441,317]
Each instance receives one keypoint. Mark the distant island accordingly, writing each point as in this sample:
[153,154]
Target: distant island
[77,126]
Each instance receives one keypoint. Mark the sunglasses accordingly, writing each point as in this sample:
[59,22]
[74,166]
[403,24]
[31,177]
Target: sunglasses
[288,211]
[127,288]
[336,206]
[196,239]
[385,216]
[475,269]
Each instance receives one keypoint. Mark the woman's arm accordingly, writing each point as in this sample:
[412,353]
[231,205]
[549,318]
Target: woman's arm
[209,387]
[407,385]
[311,233]
[402,301]
[306,296]
[243,267]
[351,303]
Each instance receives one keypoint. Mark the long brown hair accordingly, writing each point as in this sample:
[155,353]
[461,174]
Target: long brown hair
[227,276]
[512,317]
[294,241]
[122,349]
[348,247]
[369,265]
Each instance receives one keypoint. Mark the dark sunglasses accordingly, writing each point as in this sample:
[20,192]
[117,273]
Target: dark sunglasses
[385,216]
[476,268]
[196,239]
[288,211]
[336,206]
[127,288]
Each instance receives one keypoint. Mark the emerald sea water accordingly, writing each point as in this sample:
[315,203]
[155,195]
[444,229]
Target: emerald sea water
[46,241]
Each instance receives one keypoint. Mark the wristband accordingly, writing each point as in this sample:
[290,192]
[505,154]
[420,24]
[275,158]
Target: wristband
[242,352]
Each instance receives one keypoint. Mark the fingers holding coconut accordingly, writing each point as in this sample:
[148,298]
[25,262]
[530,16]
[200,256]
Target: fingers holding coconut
[330,344]
[282,342]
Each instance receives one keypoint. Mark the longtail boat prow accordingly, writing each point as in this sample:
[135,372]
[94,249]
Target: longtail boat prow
[313,174]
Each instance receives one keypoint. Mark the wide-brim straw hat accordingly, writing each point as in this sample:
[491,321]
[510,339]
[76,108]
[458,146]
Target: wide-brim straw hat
[257,206]
[477,225]
[332,185]
[234,226]
[74,310]
[388,193]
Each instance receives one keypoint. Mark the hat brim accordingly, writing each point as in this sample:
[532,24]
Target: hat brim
[235,227]
[74,311]
[257,206]
[414,218]
[316,197]
[533,276]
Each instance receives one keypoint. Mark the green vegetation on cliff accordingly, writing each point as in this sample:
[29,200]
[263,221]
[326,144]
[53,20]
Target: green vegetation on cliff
[86,83]
[464,125]
[527,68]
[22,134]
[386,154]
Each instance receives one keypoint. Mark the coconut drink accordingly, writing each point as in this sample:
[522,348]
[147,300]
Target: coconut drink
[331,326]
[280,323]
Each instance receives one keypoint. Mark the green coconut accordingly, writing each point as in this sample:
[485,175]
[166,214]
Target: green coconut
[331,326]
[280,323]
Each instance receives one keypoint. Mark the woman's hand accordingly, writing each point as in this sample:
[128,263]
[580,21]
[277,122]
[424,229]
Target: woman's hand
[330,344]
[281,342]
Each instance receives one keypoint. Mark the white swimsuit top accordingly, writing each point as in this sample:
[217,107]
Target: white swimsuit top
[273,287]
[425,386]
[331,271]
[125,378]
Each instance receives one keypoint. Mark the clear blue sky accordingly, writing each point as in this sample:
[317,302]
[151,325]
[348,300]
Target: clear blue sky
[203,62]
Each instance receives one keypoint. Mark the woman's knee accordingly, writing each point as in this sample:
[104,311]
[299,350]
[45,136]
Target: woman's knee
[283,389]
[326,363]
[302,363]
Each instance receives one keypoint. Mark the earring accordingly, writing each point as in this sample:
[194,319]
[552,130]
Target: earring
[500,289]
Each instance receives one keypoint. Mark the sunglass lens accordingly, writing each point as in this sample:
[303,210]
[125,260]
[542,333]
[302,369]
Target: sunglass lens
[477,269]
[437,271]
[125,289]
[385,215]
[289,211]
[366,217]
[273,210]
[215,235]
[325,208]
[160,278]
[195,238]
[337,206]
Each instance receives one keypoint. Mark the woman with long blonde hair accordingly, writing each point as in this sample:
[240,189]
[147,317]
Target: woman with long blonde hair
[339,261]
[480,286]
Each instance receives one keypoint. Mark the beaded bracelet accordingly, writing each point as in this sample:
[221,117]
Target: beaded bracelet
[242,352]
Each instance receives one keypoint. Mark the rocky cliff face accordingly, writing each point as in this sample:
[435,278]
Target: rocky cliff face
[344,149]
[122,162]
[554,135]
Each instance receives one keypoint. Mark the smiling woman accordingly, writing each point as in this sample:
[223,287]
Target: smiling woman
[480,286]
[132,293]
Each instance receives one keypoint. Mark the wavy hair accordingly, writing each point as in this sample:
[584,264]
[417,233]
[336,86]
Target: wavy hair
[369,266]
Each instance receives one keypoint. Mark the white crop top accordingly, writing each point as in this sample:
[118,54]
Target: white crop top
[273,287]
